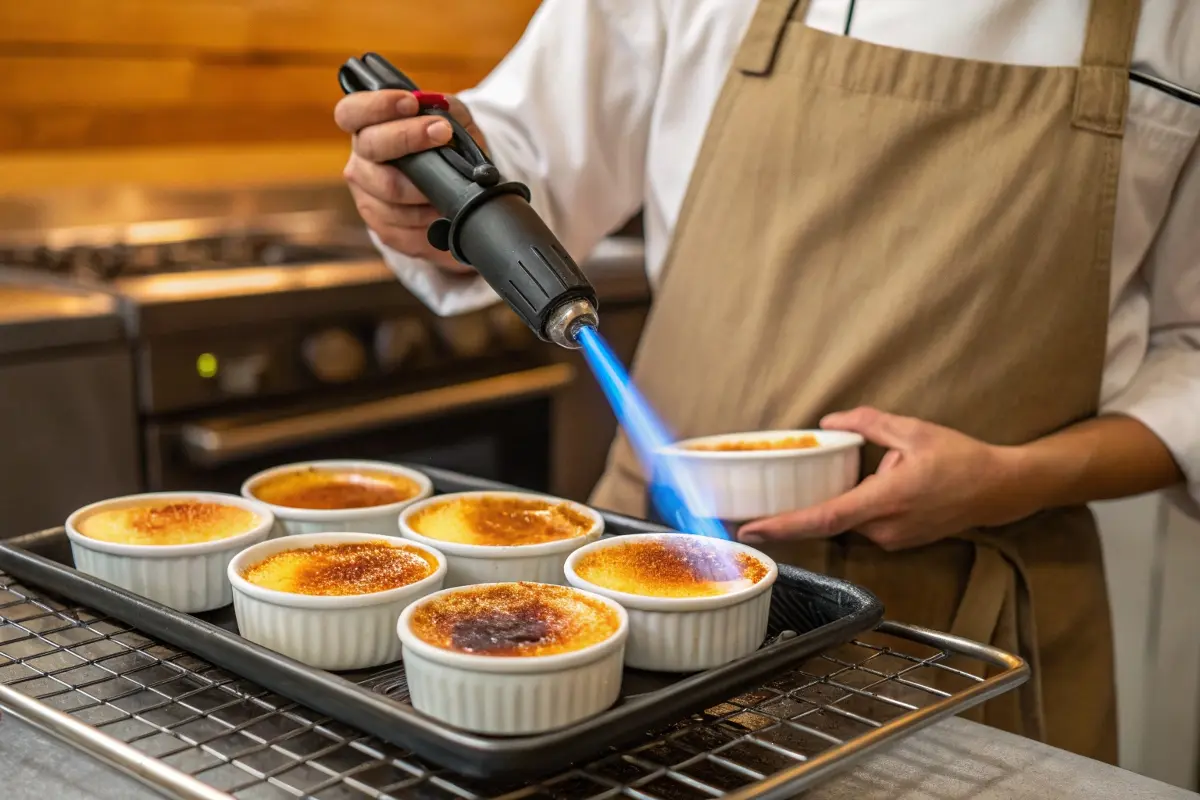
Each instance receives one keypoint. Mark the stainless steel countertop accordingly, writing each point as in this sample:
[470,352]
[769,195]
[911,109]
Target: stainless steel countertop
[37,313]
[954,760]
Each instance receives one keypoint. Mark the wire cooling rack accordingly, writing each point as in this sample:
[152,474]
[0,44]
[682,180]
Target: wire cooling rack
[194,731]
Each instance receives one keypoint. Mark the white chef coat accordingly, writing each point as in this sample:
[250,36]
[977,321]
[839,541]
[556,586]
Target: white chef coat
[602,106]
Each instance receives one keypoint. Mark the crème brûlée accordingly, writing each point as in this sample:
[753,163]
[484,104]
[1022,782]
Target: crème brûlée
[169,522]
[514,619]
[801,442]
[670,567]
[330,489]
[349,568]
[500,521]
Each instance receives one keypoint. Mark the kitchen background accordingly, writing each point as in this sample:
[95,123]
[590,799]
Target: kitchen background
[186,295]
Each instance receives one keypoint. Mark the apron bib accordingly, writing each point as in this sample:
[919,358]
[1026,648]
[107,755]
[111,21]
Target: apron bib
[931,236]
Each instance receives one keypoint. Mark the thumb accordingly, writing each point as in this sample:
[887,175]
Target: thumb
[863,503]
[887,430]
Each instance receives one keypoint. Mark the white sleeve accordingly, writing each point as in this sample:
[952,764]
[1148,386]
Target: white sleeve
[567,112]
[1165,392]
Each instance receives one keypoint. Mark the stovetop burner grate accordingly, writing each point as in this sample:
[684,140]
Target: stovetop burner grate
[213,252]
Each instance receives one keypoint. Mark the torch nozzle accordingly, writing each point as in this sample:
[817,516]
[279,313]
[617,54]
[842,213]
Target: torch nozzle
[566,320]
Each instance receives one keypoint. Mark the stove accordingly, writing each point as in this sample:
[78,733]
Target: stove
[263,328]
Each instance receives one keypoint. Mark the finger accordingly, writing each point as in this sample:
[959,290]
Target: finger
[412,241]
[407,239]
[361,109]
[888,430]
[870,500]
[383,182]
[890,460]
[391,140]
[888,534]
[398,216]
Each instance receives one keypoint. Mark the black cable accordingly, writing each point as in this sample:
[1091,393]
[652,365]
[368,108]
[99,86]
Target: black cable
[1173,89]
[849,18]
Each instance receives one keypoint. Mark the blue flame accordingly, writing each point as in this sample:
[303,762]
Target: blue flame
[673,493]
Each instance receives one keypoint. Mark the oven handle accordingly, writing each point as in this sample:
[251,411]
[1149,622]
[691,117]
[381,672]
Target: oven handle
[220,441]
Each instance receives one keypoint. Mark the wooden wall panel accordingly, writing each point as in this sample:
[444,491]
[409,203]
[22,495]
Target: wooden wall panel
[427,27]
[108,79]
[165,24]
[94,82]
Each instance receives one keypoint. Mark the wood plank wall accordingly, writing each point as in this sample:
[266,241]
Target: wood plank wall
[213,91]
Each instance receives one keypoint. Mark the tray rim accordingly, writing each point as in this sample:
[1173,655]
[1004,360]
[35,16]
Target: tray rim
[471,755]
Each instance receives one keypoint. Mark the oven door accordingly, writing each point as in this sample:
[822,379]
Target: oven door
[496,427]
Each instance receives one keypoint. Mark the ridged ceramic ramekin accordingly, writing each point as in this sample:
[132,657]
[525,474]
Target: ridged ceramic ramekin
[687,634]
[512,695]
[740,485]
[536,563]
[380,520]
[185,577]
[327,632]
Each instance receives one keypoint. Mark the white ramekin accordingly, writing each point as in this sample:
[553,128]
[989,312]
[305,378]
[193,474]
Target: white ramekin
[687,634]
[512,695]
[537,563]
[742,485]
[334,633]
[380,520]
[185,577]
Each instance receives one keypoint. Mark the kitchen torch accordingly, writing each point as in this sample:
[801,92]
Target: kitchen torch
[487,222]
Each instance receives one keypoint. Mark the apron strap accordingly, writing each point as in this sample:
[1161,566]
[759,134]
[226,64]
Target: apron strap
[998,590]
[1102,90]
[978,613]
[760,45]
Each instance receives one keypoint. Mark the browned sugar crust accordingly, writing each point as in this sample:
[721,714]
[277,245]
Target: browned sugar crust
[670,567]
[328,489]
[341,569]
[500,521]
[803,442]
[514,619]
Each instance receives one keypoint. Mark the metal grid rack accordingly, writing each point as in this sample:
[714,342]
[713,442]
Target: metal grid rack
[165,716]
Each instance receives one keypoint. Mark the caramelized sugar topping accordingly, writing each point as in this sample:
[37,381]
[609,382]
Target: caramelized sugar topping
[168,523]
[802,442]
[341,569]
[324,488]
[670,567]
[498,520]
[514,619]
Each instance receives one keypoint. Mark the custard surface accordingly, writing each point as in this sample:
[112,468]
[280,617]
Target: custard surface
[514,619]
[803,442]
[327,488]
[499,521]
[341,569]
[157,522]
[670,568]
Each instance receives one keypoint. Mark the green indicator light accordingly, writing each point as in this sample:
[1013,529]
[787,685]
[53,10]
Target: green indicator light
[206,365]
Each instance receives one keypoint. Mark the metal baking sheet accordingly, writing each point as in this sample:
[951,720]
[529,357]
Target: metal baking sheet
[809,613]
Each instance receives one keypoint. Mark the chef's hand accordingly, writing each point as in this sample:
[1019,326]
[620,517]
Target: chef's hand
[384,126]
[932,483]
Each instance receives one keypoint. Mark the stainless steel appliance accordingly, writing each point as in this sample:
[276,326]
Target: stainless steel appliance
[263,328]
[67,424]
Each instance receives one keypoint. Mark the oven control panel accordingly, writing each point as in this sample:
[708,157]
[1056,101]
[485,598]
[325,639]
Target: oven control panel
[214,367]
[398,342]
[334,355]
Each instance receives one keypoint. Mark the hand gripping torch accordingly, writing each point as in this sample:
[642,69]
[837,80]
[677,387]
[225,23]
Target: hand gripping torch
[487,222]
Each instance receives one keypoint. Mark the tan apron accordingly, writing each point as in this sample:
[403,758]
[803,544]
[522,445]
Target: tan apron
[931,236]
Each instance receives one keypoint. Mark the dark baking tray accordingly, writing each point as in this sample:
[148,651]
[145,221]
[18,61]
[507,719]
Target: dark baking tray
[809,613]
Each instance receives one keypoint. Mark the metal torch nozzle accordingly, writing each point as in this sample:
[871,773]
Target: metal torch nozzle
[565,321]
